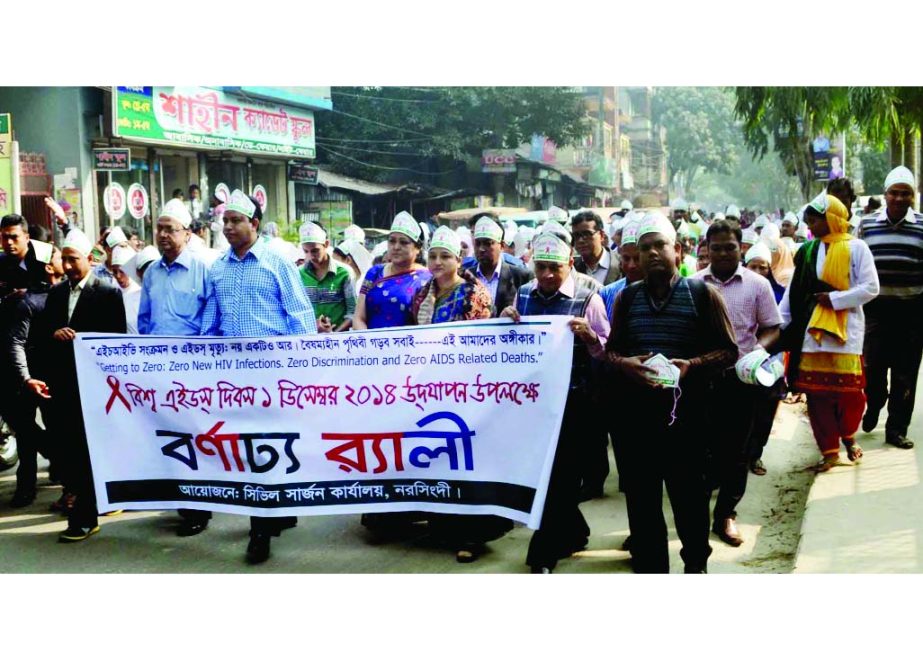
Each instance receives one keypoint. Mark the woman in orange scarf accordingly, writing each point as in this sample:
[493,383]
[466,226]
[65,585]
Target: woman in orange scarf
[822,313]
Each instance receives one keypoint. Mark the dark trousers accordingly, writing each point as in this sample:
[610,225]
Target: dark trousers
[596,465]
[653,454]
[65,422]
[764,414]
[259,525]
[20,412]
[893,341]
[732,422]
[563,529]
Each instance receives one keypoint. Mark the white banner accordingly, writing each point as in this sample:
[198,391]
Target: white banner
[452,418]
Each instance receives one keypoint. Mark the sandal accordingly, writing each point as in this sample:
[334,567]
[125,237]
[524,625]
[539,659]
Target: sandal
[853,451]
[825,464]
[757,467]
[467,553]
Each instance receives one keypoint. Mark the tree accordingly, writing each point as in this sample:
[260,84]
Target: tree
[894,114]
[702,135]
[786,120]
[381,133]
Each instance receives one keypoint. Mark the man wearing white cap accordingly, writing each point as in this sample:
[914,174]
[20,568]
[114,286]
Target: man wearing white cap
[83,303]
[894,320]
[110,238]
[559,290]
[326,282]
[27,362]
[680,212]
[501,278]
[665,327]
[173,295]
[255,292]
[469,261]
[756,321]
[732,213]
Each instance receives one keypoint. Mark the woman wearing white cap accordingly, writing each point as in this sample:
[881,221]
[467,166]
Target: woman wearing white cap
[455,295]
[131,290]
[354,254]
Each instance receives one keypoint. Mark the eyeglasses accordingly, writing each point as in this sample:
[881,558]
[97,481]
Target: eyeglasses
[583,236]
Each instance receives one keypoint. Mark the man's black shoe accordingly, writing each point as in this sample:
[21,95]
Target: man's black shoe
[22,499]
[540,569]
[691,569]
[258,549]
[190,528]
[870,420]
[901,442]
[590,493]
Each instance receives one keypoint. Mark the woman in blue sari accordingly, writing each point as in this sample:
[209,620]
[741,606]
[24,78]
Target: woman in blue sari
[453,295]
[387,291]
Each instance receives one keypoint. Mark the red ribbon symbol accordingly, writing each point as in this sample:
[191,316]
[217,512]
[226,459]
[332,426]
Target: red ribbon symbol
[115,386]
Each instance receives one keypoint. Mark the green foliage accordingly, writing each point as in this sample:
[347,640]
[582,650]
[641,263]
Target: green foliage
[701,132]
[377,132]
[876,164]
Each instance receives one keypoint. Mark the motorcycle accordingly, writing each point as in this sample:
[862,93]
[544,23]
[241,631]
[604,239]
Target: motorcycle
[9,454]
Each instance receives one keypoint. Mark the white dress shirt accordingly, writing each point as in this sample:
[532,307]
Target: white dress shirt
[75,295]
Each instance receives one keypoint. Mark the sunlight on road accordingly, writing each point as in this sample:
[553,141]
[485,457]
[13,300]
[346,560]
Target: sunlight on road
[46,523]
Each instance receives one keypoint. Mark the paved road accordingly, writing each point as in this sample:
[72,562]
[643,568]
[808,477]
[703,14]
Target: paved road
[144,542]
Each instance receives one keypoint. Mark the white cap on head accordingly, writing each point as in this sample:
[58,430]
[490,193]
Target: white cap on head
[354,232]
[549,247]
[626,205]
[558,215]
[446,239]
[121,255]
[900,175]
[770,235]
[115,237]
[77,240]
[680,205]
[176,210]
[380,249]
[719,216]
[732,211]
[790,217]
[630,232]
[407,225]
[241,203]
[759,251]
[147,255]
[819,203]
[311,233]
[487,228]
[750,236]
[656,223]
[761,221]
[43,251]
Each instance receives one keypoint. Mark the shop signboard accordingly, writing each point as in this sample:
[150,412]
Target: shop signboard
[259,194]
[498,160]
[6,135]
[203,118]
[112,160]
[137,201]
[333,216]
[543,150]
[114,201]
[828,158]
[302,174]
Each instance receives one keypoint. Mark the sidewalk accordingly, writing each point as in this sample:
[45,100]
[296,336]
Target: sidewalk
[868,518]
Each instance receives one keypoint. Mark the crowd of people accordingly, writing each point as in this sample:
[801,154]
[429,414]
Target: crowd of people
[703,322]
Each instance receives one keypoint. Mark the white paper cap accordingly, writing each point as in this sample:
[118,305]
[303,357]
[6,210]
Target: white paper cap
[176,210]
[121,255]
[77,240]
[115,237]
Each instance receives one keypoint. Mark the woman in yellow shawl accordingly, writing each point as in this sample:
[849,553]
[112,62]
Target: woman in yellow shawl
[822,313]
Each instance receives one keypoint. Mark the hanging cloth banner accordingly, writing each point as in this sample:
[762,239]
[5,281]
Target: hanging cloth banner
[453,418]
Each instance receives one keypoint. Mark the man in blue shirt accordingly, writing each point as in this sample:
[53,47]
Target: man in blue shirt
[173,295]
[255,292]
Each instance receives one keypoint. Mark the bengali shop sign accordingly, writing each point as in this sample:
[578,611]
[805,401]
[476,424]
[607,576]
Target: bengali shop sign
[452,418]
[207,118]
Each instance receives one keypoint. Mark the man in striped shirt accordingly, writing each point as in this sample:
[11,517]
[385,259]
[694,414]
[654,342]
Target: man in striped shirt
[893,332]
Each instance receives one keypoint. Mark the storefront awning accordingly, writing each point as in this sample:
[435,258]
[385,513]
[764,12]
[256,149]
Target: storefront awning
[329,179]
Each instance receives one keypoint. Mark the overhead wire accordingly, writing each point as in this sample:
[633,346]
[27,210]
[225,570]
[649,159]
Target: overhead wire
[386,167]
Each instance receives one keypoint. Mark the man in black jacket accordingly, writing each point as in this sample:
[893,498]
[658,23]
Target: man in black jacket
[80,304]
[25,361]
[590,242]
[502,279]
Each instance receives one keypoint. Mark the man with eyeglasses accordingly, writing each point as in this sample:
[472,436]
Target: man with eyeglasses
[173,297]
[594,258]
